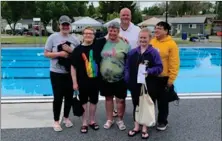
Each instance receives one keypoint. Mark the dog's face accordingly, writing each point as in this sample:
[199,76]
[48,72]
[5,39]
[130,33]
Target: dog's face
[60,45]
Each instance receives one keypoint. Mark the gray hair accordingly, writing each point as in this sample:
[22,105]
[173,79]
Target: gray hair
[114,25]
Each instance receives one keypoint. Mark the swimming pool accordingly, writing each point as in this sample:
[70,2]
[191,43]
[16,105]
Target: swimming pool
[25,72]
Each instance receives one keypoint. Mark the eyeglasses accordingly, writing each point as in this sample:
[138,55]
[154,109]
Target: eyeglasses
[88,33]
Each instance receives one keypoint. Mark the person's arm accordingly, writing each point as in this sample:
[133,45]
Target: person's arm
[157,64]
[100,42]
[74,65]
[73,74]
[55,54]
[174,63]
[127,68]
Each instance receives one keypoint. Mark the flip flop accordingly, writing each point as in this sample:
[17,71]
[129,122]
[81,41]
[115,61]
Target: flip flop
[143,134]
[94,126]
[84,127]
[134,133]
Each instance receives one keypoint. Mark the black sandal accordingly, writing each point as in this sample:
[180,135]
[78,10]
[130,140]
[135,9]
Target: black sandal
[143,134]
[84,129]
[134,132]
[94,126]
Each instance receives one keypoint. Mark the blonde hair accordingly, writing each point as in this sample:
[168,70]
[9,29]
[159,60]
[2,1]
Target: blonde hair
[147,31]
[88,28]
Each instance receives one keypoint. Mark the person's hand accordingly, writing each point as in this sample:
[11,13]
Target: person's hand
[63,54]
[169,85]
[75,86]
[67,48]
[124,39]
[146,74]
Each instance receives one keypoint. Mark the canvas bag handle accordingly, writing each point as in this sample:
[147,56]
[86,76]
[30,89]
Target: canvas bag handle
[144,89]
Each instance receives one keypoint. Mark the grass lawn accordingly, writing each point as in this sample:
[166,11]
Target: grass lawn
[23,40]
[42,40]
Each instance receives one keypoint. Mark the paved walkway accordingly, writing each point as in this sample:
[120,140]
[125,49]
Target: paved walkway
[180,45]
[193,120]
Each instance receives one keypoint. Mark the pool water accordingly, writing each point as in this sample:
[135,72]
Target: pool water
[25,71]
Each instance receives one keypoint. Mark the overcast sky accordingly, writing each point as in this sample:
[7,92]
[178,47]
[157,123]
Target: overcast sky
[142,4]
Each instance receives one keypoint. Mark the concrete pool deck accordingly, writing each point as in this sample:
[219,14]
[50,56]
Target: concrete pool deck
[192,120]
[180,45]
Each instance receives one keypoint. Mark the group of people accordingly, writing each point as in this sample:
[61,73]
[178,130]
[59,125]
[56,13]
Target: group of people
[108,66]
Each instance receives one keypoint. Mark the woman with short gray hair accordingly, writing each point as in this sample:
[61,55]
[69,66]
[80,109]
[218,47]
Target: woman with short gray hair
[112,69]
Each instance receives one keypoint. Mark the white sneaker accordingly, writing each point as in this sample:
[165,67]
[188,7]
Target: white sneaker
[67,123]
[57,127]
[121,125]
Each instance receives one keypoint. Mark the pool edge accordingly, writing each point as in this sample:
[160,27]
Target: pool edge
[49,99]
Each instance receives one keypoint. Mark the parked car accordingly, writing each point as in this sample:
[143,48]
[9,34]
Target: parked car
[32,32]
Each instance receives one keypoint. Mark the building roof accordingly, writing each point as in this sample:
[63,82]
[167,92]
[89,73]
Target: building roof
[25,21]
[204,15]
[151,21]
[184,20]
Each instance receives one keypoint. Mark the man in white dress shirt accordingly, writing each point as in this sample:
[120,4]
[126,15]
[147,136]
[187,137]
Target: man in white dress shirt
[128,30]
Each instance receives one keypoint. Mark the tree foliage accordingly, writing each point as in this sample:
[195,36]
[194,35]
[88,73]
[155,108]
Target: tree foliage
[12,12]
[109,7]
[154,10]
[218,10]
[112,16]
[91,10]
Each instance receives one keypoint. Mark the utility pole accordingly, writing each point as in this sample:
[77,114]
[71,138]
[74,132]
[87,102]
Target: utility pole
[166,10]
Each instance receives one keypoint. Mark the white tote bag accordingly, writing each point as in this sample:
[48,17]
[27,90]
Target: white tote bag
[145,112]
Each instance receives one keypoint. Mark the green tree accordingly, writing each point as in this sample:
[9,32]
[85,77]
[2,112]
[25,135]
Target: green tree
[104,9]
[30,10]
[218,10]
[207,8]
[137,16]
[69,8]
[109,7]
[154,10]
[43,10]
[112,16]
[12,12]
[180,8]
[76,8]
[91,10]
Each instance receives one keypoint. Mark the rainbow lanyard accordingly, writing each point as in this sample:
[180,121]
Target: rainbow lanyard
[91,66]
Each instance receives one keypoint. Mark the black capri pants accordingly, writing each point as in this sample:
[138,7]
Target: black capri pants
[62,87]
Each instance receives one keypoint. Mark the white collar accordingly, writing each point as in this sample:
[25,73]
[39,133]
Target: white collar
[129,28]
